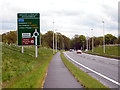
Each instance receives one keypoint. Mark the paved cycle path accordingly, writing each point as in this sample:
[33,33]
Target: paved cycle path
[58,76]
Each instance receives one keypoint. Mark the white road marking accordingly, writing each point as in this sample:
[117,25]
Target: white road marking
[94,71]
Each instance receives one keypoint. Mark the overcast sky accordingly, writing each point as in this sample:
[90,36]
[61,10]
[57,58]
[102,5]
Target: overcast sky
[70,16]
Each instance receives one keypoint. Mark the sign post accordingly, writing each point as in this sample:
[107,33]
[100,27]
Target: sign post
[28,29]
[35,34]
[22,50]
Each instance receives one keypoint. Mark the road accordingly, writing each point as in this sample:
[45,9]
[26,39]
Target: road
[103,69]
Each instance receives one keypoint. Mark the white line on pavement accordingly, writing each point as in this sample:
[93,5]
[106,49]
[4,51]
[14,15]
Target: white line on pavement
[94,71]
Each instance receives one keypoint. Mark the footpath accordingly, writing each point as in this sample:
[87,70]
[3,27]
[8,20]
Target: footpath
[58,76]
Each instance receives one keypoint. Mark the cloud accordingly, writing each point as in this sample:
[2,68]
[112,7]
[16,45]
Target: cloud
[70,16]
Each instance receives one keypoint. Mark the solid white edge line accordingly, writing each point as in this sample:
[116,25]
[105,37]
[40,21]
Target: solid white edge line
[95,71]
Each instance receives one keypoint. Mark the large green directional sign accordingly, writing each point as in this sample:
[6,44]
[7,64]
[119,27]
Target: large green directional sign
[28,29]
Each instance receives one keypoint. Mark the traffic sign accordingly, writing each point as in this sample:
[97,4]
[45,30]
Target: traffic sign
[28,29]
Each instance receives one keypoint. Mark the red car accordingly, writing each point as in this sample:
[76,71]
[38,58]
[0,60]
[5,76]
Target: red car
[79,51]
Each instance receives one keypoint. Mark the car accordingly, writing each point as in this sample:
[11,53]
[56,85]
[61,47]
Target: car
[79,51]
[70,50]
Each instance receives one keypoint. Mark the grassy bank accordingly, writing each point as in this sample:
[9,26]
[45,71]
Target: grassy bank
[86,80]
[110,51]
[24,70]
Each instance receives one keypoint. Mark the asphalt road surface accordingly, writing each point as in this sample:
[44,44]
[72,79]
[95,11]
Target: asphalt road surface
[58,76]
[103,69]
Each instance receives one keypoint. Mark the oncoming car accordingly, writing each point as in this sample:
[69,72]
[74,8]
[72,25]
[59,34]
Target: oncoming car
[70,50]
[79,51]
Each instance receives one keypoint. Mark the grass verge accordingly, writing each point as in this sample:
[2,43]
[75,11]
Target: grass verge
[86,80]
[23,70]
[110,51]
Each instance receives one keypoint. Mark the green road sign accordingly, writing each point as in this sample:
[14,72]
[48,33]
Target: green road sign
[28,29]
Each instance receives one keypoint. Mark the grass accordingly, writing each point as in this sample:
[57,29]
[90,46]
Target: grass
[0,66]
[86,80]
[110,51]
[24,70]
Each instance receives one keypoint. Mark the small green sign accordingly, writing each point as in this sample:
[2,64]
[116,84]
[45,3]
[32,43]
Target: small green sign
[28,29]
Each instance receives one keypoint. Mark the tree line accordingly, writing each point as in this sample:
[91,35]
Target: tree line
[63,42]
[80,41]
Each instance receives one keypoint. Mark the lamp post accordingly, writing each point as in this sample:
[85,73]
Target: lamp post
[40,32]
[103,38]
[89,44]
[92,40]
[53,38]
[40,39]
[87,41]
[58,35]
[56,41]
[83,45]
[63,43]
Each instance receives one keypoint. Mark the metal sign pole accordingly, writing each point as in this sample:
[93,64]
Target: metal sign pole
[89,44]
[56,41]
[103,38]
[35,41]
[36,52]
[53,38]
[36,46]
[22,50]
[92,40]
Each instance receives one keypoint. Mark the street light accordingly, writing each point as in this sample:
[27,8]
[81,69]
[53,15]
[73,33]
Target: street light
[103,38]
[87,44]
[87,41]
[58,35]
[92,40]
[53,38]
[56,41]
[63,43]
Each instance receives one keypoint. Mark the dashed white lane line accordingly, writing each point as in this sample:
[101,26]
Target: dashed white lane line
[94,71]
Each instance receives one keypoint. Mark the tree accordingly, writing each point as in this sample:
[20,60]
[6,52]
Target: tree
[0,38]
[118,39]
[4,39]
[63,42]
[82,42]
[75,43]
[98,41]
[109,39]
[66,42]
[10,37]
[78,42]
[47,39]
